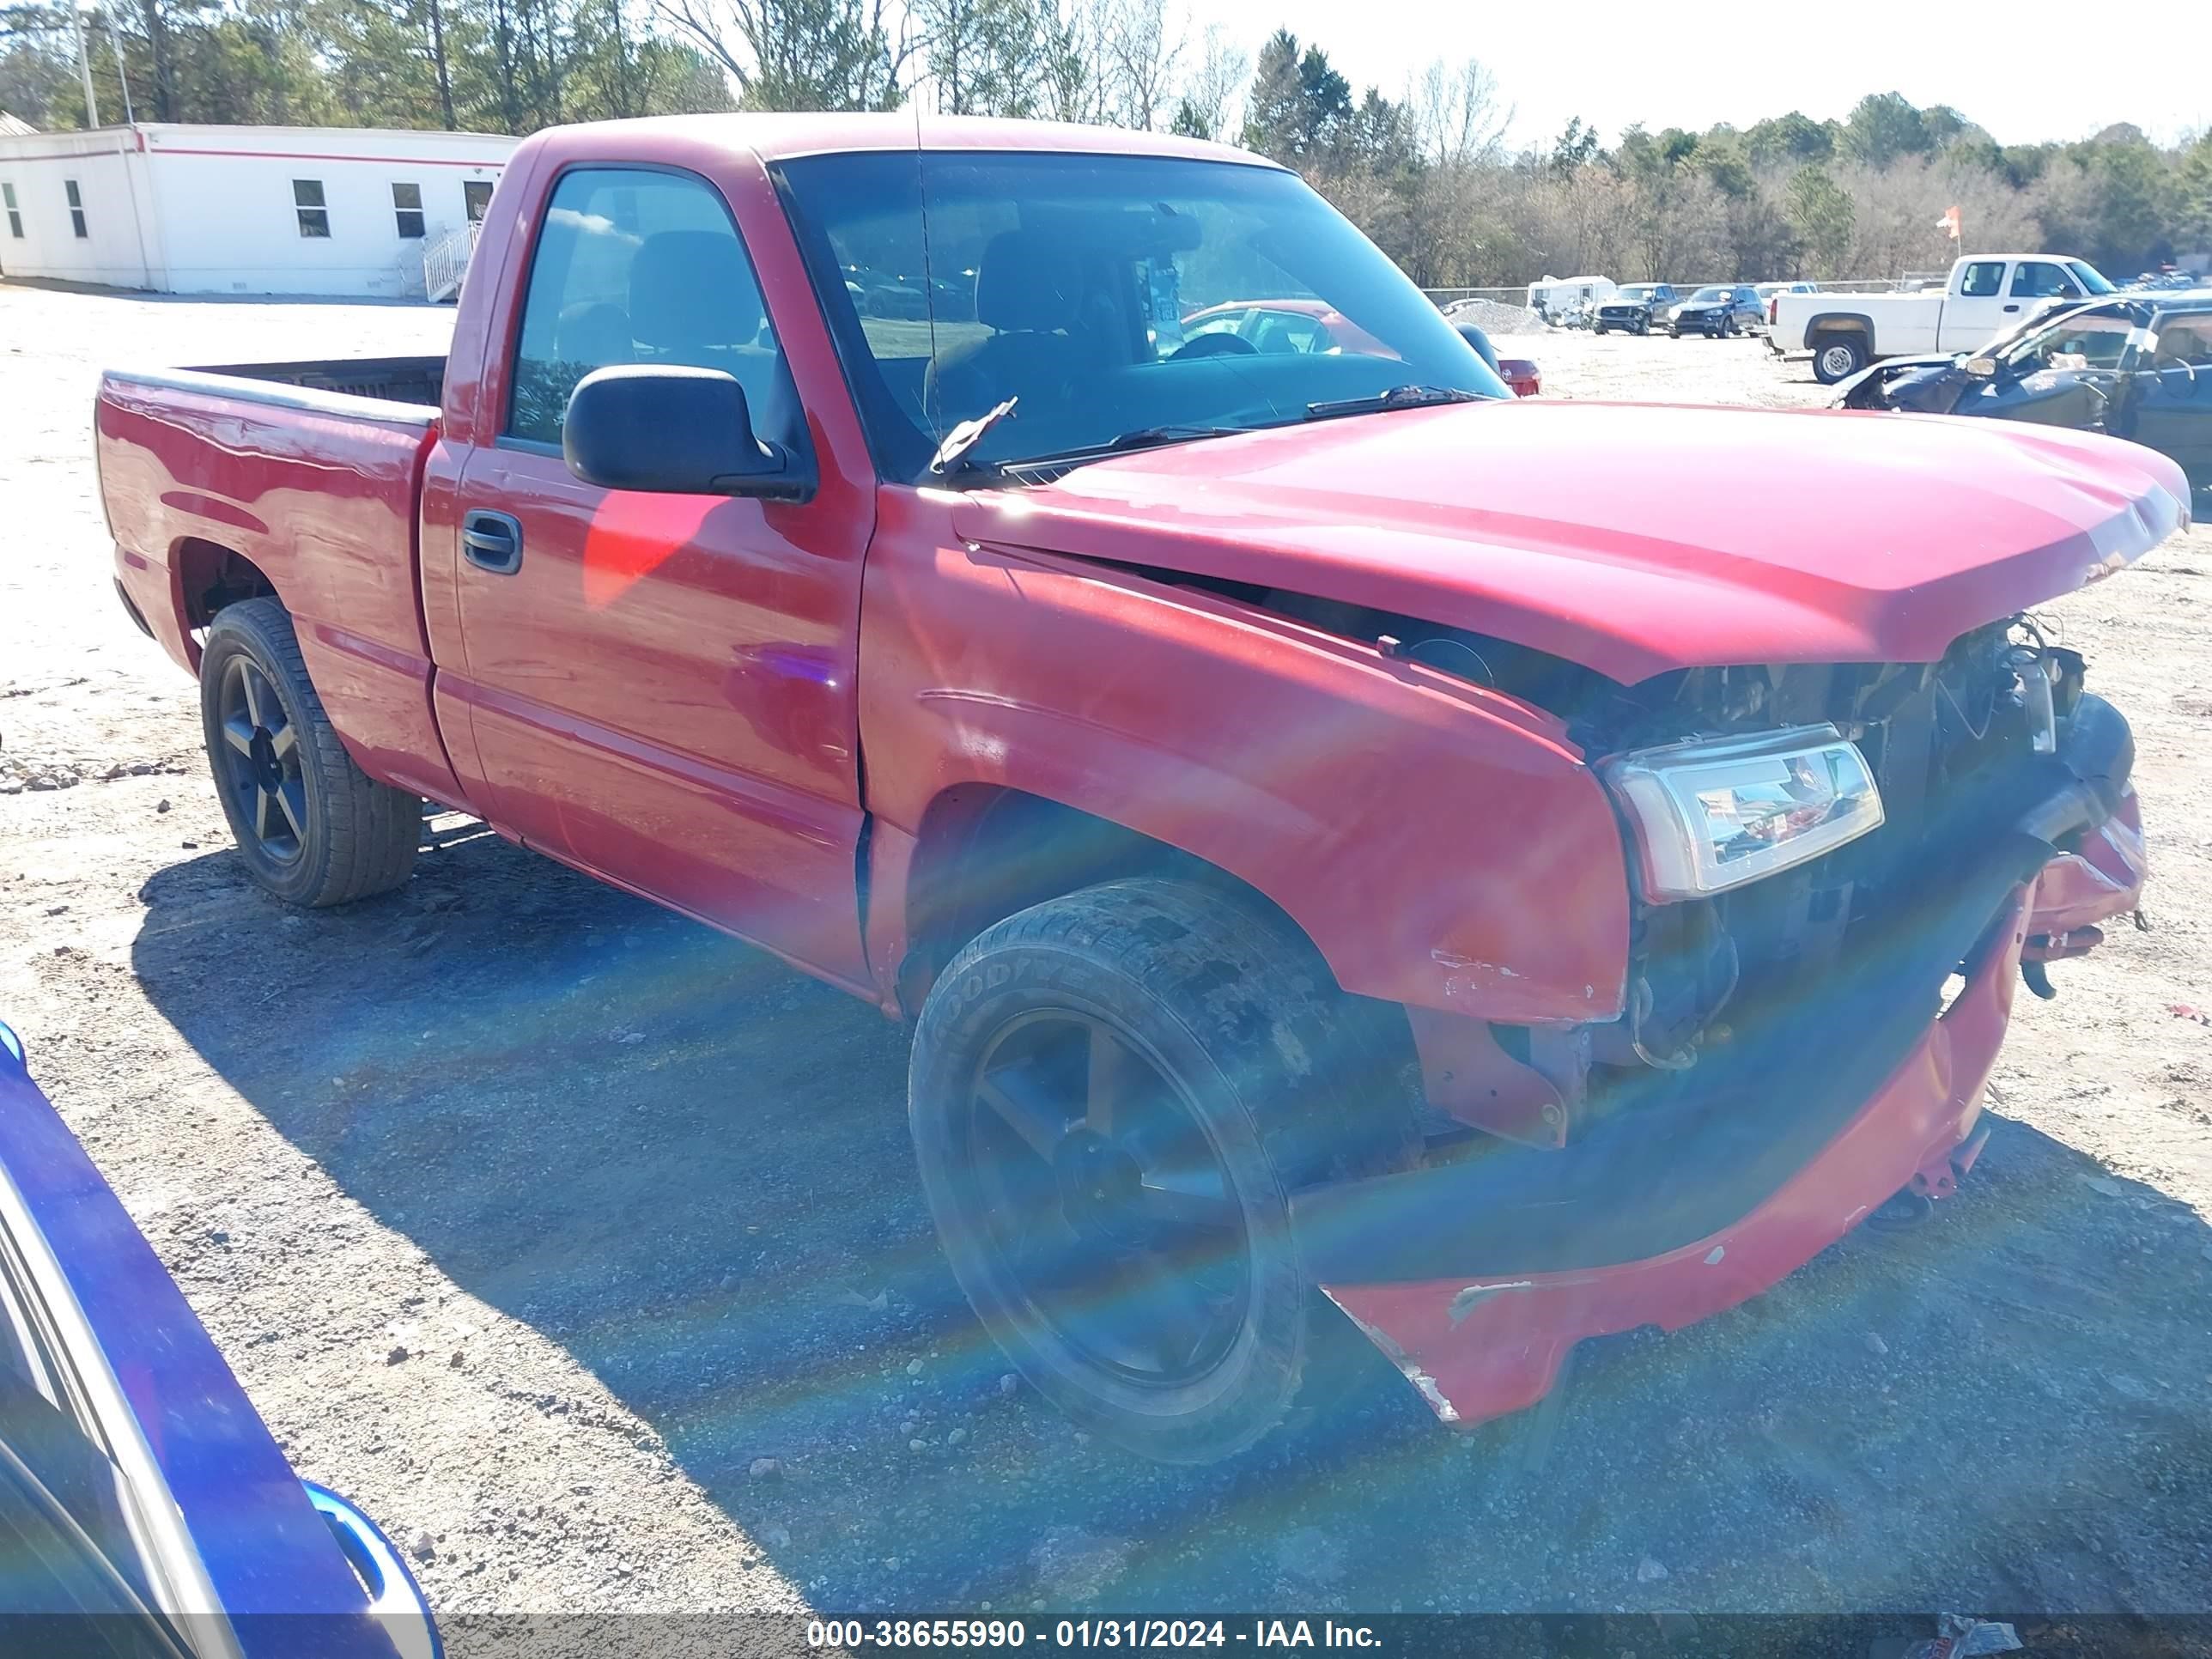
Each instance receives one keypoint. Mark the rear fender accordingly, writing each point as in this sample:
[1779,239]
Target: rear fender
[322,507]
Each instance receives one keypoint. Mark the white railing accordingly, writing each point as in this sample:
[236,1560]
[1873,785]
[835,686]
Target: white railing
[446,261]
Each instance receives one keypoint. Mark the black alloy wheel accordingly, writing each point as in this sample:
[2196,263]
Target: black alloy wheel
[1113,1096]
[258,768]
[1112,1215]
[312,827]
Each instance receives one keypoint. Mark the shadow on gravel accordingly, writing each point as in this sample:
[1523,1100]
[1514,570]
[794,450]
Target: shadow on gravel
[687,1165]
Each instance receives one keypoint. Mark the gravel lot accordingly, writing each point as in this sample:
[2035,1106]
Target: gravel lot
[581,1249]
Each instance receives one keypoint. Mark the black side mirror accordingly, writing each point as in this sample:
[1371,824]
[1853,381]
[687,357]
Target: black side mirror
[1475,336]
[676,430]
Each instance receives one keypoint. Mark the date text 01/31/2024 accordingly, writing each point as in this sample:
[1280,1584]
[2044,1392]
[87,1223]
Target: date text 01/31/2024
[1002,1635]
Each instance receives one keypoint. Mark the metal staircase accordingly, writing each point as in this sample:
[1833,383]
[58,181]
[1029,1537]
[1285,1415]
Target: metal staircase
[446,262]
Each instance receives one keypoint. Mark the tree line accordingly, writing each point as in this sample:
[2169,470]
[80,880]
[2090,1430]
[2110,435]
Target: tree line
[1429,173]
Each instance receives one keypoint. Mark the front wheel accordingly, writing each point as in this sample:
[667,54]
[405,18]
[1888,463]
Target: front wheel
[1113,1096]
[311,826]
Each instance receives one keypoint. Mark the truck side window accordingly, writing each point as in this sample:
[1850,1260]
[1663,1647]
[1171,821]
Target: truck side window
[636,266]
[1983,279]
[2036,280]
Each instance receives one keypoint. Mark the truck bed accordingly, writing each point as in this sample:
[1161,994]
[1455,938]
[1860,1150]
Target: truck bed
[384,380]
[304,478]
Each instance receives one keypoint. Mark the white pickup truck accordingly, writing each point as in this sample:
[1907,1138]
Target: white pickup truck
[1985,293]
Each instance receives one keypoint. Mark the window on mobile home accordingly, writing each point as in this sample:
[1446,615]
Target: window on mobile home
[407,208]
[307,202]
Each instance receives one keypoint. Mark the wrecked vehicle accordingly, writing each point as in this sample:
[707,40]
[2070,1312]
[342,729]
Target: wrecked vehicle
[2139,366]
[1334,847]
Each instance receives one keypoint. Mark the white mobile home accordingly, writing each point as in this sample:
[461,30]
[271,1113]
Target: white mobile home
[206,209]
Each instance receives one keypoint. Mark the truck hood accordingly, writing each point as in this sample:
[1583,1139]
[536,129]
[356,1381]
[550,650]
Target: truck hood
[1631,539]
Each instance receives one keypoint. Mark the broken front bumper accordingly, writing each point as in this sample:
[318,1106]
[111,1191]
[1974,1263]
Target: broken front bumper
[1476,1278]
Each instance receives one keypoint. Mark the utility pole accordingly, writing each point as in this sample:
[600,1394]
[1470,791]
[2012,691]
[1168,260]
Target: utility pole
[84,68]
[116,41]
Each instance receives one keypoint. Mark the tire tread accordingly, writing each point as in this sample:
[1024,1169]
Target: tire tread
[1257,996]
[373,830]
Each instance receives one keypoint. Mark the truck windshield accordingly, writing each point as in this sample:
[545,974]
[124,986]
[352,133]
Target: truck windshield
[2091,279]
[1111,299]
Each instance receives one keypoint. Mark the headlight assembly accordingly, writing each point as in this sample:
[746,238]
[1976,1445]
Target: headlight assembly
[1714,813]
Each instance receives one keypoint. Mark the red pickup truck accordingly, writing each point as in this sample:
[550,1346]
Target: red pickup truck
[1334,844]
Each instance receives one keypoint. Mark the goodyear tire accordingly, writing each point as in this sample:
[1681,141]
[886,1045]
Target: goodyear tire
[312,827]
[1113,1096]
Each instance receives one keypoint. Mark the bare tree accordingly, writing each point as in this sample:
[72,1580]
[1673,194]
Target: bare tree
[1211,106]
[800,54]
[983,57]
[1141,50]
[1454,114]
[1070,48]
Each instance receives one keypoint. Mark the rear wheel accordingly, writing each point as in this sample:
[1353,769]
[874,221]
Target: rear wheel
[1113,1096]
[1838,357]
[312,827]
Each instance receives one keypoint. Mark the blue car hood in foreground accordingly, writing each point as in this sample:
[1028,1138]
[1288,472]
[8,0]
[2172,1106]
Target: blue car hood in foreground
[253,1566]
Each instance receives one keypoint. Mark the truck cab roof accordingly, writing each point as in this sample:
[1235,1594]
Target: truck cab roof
[774,137]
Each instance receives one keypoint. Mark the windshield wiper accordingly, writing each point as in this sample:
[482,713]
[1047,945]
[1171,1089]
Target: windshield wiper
[966,435]
[1397,397]
[1143,437]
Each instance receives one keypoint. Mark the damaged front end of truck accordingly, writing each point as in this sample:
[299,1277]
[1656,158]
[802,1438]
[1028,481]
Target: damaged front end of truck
[1728,803]
[1841,873]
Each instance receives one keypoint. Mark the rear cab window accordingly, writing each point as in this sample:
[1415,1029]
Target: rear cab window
[1982,280]
[640,266]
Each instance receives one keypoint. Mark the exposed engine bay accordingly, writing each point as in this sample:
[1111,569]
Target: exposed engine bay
[1935,737]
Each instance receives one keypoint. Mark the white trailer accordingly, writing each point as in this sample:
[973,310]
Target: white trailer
[218,209]
[1553,295]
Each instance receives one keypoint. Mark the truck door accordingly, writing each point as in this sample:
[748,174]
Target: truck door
[2172,395]
[1977,310]
[660,686]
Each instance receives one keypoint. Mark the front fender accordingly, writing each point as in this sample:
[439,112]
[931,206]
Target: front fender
[1443,846]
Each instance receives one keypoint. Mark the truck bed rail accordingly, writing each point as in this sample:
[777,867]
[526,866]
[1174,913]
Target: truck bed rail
[404,391]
